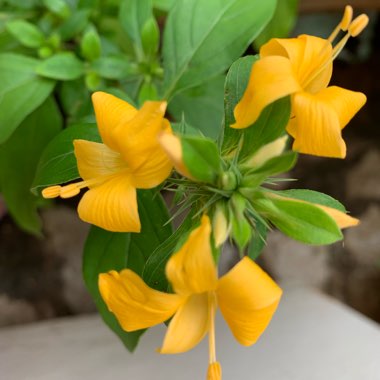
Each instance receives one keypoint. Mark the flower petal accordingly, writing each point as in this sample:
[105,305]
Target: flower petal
[192,269]
[157,168]
[109,112]
[111,205]
[136,305]
[310,56]
[318,130]
[271,78]
[173,148]
[247,298]
[189,325]
[96,160]
[346,103]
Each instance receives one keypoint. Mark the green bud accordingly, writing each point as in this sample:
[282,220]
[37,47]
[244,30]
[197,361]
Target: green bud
[229,181]
[90,45]
[93,81]
[45,52]
[241,228]
[150,37]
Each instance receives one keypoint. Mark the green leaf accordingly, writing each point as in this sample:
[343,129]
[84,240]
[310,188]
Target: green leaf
[269,126]
[133,16]
[74,24]
[281,24]
[18,162]
[26,33]
[90,44]
[154,269]
[62,66]
[203,38]
[58,7]
[116,67]
[201,106]
[150,37]
[277,165]
[58,163]
[185,129]
[257,243]
[105,251]
[21,91]
[313,197]
[241,230]
[301,221]
[148,91]
[201,157]
[163,5]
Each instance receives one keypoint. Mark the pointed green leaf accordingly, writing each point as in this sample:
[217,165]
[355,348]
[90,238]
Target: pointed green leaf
[105,251]
[90,44]
[58,163]
[21,91]
[201,157]
[299,220]
[18,162]
[203,38]
[26,33]
[62,66]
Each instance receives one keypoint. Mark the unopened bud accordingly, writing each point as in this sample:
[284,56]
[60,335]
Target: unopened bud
[221,226]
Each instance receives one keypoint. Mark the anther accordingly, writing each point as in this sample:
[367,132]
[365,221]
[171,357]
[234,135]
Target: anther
[69,191]
[347,18]
[51,192]
[357,26]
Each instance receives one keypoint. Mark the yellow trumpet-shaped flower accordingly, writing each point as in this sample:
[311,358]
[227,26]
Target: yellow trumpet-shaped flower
[302,67]
[246,295]
[130,158]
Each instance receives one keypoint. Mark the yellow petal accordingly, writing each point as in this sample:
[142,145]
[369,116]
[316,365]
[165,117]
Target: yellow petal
[96,160]
[109,112]
[247,298]
[318,130]
[157,167]
[310,57]
[214,371]
[136,305]
[271,78]
[346,103]
[192,269]
[341,218]
[173,148]
[188,326]
[111,205]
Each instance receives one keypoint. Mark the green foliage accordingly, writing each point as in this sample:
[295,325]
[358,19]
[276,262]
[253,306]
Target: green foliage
[269,126]
[62,66]
[58,164]
[21,91]
[201,106]
[18,163]
[105,251]
[201,157]
[301,221]
[281,24]
[26,33]
[206,46]
[90,45]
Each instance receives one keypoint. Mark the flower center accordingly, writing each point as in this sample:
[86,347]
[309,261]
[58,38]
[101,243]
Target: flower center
[352,29]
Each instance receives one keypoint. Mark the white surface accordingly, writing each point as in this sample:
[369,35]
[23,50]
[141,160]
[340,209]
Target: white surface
[310,338]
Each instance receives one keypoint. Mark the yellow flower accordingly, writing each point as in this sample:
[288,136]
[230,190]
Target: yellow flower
[130,158]
[302,67]
[246,295]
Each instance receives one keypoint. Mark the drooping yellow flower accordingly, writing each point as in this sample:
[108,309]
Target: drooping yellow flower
[130,158]
[246,295]
[302,67]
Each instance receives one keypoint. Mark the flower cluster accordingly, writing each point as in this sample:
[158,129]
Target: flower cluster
[227,194]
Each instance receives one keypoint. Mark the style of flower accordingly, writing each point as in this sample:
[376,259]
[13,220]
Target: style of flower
[130,158]
[302,67]
[246,296]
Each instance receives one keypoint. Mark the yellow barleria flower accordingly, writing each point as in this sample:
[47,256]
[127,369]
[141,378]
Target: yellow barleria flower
[130,158]
[302,67]
[246,295]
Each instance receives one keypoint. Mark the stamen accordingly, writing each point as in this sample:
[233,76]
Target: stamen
[344,23]
[51,192]
[358,25]
[69,191]
[211,333]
